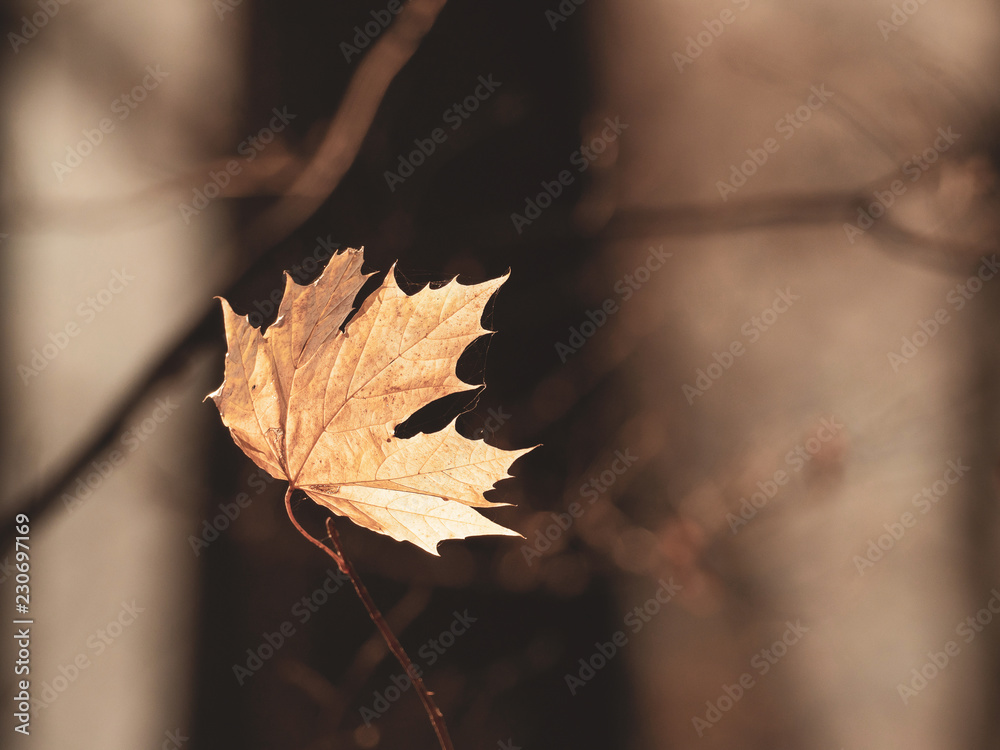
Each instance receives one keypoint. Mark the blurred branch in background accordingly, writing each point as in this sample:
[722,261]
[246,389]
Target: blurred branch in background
[310,189]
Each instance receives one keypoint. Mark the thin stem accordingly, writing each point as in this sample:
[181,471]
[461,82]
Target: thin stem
[347,568]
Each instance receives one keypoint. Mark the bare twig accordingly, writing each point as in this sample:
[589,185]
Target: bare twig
[347,568]
[316,182]
[349,126]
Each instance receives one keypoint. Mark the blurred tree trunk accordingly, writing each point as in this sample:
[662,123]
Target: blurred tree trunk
[810,112]
[106,100]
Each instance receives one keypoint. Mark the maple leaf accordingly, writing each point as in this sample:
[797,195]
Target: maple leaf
[317,406]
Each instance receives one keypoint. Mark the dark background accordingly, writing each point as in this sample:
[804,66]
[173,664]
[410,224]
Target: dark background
[503,683]
[504,679]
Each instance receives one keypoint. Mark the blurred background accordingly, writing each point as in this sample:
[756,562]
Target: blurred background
[751,320]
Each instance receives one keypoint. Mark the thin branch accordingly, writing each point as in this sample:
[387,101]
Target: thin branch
[321,176]
[350,125]
[317,181]
[347,568]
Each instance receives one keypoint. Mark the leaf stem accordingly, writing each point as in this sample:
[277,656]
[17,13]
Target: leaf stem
[347,568]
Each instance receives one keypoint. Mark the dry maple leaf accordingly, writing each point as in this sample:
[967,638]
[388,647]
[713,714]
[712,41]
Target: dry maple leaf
[317,406]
